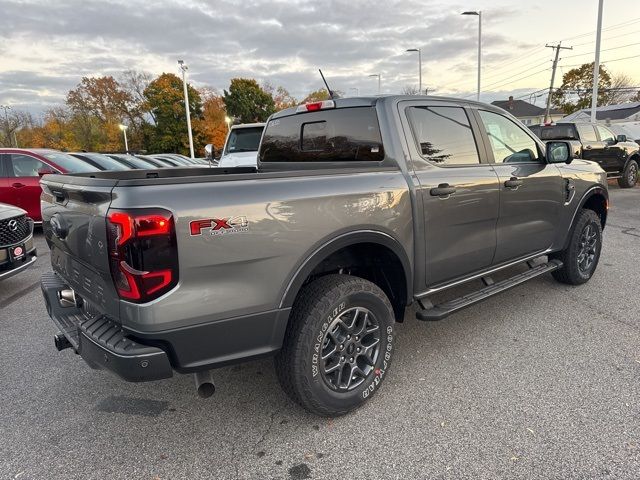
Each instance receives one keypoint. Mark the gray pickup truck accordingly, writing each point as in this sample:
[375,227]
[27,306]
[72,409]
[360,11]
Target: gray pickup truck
[358,208]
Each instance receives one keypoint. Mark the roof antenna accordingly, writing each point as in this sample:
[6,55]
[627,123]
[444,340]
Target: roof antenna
[331,94]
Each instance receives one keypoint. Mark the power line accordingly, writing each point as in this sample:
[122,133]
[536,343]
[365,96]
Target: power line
[605,61]
[603,50]
[611,27]
[606,38]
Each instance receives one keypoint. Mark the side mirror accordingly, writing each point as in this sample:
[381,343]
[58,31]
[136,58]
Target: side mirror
[45,171]
[559,152]
[621,138]
[208,150]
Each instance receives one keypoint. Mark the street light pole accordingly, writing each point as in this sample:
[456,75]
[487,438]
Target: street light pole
[377,75]
[479,15]
[124,131]
[227,120]
[184,68]
[419,67]
[596,65]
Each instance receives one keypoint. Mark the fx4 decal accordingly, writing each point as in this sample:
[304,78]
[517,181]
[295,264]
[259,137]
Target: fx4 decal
[219,226]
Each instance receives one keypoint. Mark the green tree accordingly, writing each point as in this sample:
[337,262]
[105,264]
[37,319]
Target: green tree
[247,102]
[578,83]
[165,100]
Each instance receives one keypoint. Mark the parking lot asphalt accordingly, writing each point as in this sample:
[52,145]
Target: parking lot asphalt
[542,381]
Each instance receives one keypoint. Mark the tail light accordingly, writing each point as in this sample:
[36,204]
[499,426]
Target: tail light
[143,257]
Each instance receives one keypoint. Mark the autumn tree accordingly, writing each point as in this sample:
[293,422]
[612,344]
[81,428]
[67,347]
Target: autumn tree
[212,125]
[281,97]
[317,96]
[11,121]
[246,102]
[578,83]
[165,100]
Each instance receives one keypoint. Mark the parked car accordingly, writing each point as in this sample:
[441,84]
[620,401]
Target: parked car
[20,172]
[175,159]
[100,161]
[17,251]
[617,155]
[315,256]
[241,147]
[170,162]
[132,161]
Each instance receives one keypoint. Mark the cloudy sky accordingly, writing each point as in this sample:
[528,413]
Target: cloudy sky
[47,46]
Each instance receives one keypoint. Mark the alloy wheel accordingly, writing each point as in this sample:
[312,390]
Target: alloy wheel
[350,349]
[587,248]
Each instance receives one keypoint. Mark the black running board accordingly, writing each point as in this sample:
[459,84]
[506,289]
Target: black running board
[438,312]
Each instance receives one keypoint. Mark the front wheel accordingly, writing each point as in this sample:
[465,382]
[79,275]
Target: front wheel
[629,176]
[582,254]
[338,345]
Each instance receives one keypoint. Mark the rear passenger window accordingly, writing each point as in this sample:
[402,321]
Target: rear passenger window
[336,135]
[26,166]
[443,135]
[586,132]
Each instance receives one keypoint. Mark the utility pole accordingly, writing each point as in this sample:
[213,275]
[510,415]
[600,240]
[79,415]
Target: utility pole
[596,65]
[557,49]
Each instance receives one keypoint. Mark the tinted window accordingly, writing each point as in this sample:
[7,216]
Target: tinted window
[244,140]
[69,163]
[443,135]
[561,131]
[586,132]
[510,143]
[337,135]
[26,166]
[102,161]
[606,135]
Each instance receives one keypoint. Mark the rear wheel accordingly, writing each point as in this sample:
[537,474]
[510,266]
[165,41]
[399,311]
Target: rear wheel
[582,254]
[630,175]
[338,346]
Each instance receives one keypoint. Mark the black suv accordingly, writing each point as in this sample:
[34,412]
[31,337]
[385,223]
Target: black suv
[617,155]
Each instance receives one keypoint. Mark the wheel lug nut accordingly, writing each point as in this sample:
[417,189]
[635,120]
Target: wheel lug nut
[351,359]
[341,347]
[359,349]
[348,336]
[342,359]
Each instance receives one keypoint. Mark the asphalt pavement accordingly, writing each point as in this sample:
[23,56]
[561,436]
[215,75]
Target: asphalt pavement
[539,382]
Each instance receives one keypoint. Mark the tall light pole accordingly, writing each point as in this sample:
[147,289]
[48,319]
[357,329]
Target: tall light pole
[227,120]
[184,68]
[479,14]
[377,75]
[124,131]
[419,67]
[596,65]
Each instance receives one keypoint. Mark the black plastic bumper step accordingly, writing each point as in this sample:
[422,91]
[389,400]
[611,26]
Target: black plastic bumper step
[438,312]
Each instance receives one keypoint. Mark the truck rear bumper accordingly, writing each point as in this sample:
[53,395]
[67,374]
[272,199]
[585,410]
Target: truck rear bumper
[102,343]
[139,356]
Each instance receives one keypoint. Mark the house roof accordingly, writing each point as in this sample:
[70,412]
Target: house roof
[608,112]
[520,108]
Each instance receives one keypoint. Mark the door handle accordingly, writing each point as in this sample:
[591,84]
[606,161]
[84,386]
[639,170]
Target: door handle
[18,185]
[513,183]
[588,147]
[442,190]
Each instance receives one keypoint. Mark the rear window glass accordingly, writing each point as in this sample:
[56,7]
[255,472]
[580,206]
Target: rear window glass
[337,135]
[558,132]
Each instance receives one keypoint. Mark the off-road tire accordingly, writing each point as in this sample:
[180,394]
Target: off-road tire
[630,175]
[586,223]
[299,364]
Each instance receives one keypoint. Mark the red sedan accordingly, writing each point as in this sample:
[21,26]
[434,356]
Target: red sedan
[20,172]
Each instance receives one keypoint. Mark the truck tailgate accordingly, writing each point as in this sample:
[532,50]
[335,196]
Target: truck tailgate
[74,225]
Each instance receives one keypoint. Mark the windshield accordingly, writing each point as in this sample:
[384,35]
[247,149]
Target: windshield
[244,140]
[69,163]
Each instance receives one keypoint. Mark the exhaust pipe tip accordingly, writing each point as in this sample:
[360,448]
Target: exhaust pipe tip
[204,384]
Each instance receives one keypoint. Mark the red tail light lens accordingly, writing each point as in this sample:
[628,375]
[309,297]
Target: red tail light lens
[142,253]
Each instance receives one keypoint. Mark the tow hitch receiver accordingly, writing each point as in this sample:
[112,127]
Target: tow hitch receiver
[61,341]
